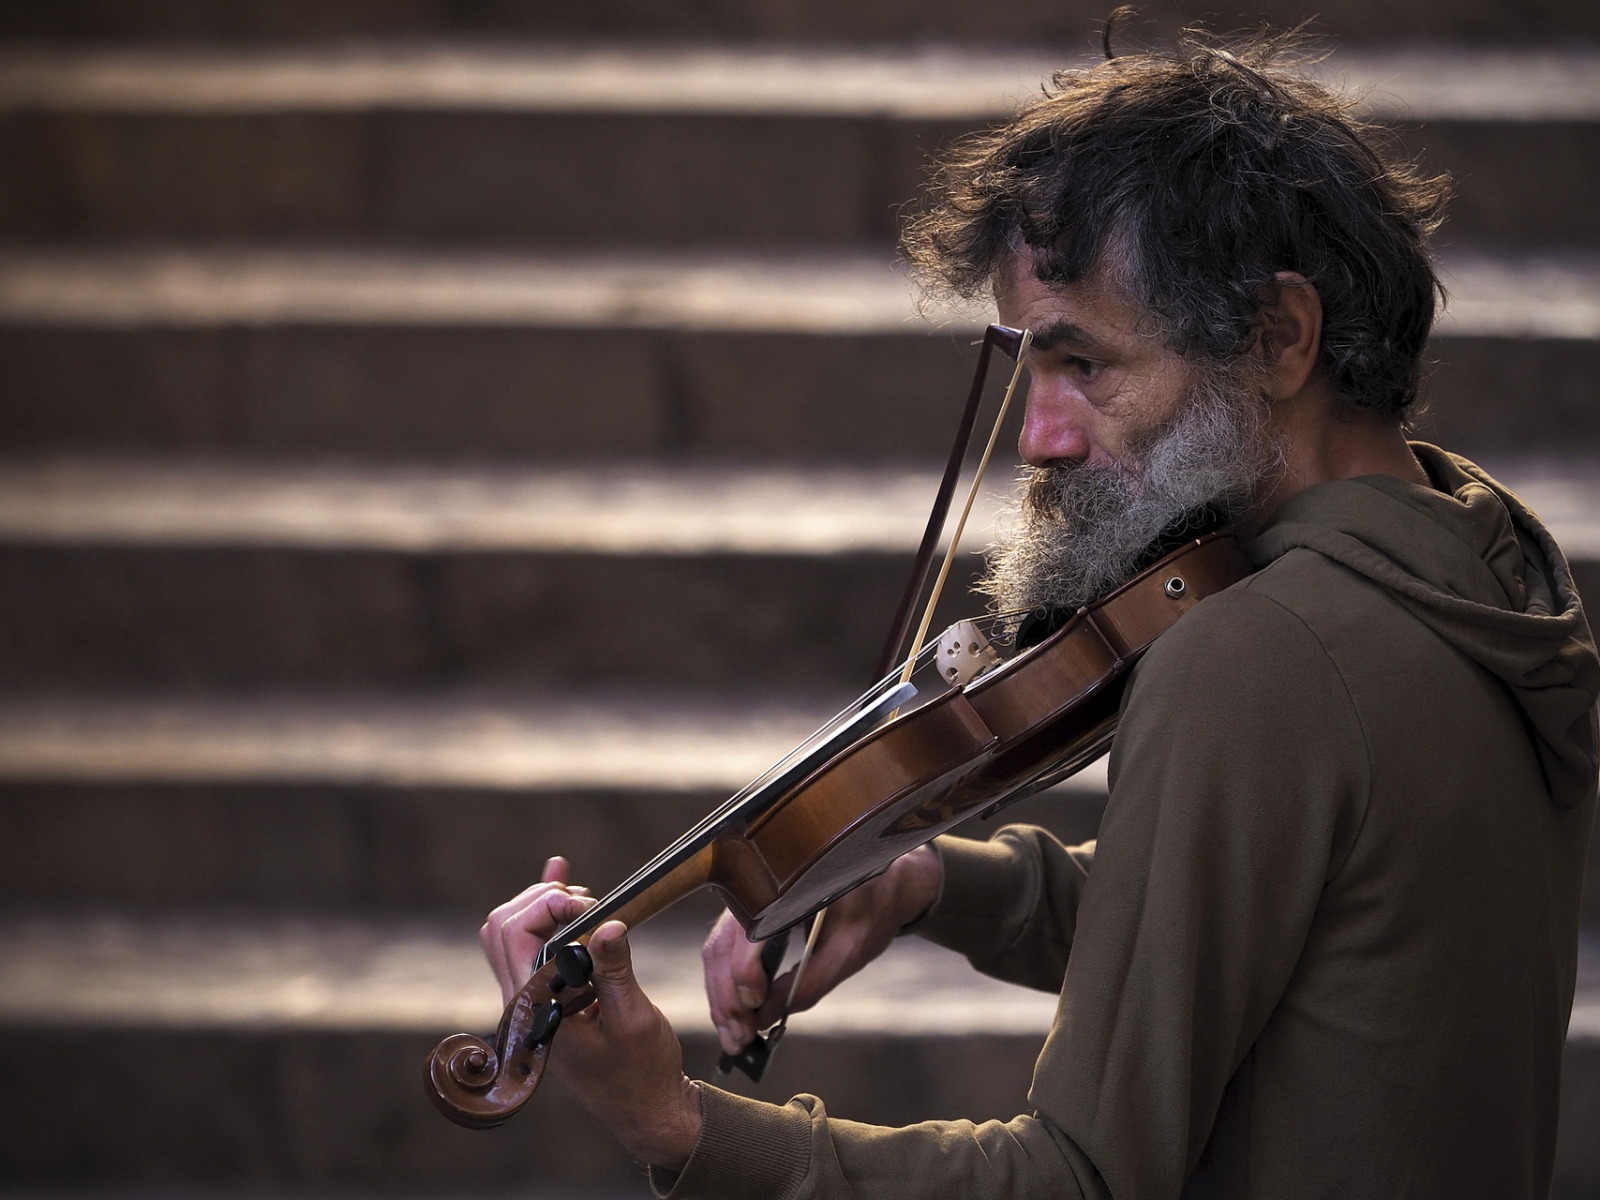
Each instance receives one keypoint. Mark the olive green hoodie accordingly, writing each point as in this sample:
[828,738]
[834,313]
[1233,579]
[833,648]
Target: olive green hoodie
[1325,944]
[1499,591]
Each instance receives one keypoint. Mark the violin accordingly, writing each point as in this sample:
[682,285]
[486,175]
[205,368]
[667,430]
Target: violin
[959,729]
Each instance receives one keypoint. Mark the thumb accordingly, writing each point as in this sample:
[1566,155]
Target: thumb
[613,981]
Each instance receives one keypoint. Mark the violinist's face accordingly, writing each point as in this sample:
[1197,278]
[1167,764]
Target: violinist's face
[1102,381]
[1124,437]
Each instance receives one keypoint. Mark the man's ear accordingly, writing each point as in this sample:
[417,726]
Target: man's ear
[1289,335]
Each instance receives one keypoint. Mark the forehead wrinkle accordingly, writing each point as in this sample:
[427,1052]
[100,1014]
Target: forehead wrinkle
[1062,332]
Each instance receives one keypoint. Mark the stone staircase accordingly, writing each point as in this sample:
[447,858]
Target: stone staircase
[437,435]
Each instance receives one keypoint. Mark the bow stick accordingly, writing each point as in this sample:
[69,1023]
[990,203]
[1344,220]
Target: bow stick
[755,1056]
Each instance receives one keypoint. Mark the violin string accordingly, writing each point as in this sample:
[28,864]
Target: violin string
[693,838]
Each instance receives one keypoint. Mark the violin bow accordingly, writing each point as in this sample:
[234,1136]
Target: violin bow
[755,1056]
[1013,342]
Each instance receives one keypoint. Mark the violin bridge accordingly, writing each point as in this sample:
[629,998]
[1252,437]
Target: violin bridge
[964,653]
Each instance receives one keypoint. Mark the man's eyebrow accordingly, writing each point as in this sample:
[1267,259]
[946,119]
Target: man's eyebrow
[1069,334]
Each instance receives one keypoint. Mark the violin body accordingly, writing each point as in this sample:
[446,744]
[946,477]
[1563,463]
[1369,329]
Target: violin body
[1026,724]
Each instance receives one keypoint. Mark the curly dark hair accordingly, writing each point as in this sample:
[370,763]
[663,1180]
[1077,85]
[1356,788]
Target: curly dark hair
[1210,169]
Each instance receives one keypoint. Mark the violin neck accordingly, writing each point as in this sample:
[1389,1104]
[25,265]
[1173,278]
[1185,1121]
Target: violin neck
[651,891]
[685,866]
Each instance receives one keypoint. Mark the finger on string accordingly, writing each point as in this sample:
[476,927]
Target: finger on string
[493,934]
[523,933]
[503,912]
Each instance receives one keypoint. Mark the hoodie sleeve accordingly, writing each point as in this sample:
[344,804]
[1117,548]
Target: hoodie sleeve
[750,1150]
[1010,904]
[1219,835]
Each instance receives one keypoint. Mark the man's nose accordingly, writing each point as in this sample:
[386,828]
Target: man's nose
[1052,434]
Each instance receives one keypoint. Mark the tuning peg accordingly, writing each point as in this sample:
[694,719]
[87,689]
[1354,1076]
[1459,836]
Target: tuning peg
[543,1027]
[573,965]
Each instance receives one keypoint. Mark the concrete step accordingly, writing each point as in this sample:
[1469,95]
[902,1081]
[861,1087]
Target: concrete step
[443,802]
[735,147]
[314,1030]
[315,1033]
[220,576]
[244,969]
[619,508]
[228,616]
[895,21]
[404,355]
[1421,81]
[151,575]
[812,357]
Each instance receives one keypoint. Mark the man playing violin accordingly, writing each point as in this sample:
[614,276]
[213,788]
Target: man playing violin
[1325,943]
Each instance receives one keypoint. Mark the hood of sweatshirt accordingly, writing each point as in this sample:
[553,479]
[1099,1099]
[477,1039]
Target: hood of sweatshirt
[1475,565]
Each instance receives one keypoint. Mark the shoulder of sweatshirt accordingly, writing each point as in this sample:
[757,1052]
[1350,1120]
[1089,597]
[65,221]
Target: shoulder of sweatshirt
[1300,604]
[1304,646]
[1275,624]
[1247,664]
[1242,703]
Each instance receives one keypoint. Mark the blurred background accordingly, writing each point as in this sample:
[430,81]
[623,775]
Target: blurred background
[436,434]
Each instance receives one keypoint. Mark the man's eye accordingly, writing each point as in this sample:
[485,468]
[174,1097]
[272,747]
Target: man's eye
[1084,367]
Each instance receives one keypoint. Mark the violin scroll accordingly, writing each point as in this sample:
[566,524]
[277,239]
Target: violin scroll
[462,1072]
[479,1085]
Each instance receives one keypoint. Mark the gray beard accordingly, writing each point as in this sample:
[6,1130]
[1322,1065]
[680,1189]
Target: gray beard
[1081,530]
